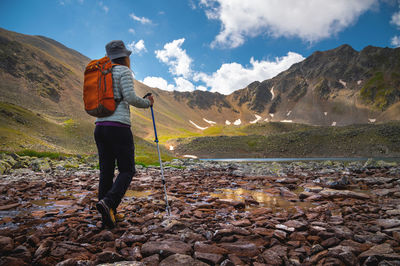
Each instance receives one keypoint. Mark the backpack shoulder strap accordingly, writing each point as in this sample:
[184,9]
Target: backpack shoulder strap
[117,100]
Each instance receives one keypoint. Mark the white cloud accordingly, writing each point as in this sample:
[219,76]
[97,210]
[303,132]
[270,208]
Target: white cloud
[310,20]
[229,77]
[234,76]
[181,84]
[176,58]
[395,41]
[157,82]
[138,47]
[396,19]
[201,88]
[142,20]
[132,31]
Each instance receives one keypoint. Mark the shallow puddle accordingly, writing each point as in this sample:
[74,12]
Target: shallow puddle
[263,199]
[42,202]
[50,202]
[64,198]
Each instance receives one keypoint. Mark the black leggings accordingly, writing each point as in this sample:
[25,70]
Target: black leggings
[114,143]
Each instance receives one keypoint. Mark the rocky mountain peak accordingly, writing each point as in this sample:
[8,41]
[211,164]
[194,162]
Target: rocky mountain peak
[202,99]
[344,49]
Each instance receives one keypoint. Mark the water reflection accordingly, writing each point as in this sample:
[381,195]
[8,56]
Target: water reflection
[263,199]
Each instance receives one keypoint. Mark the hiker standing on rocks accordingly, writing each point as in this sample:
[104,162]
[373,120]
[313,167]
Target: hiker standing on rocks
[114,138]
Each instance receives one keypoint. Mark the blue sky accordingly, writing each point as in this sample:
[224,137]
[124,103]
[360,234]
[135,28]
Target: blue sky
[215,45]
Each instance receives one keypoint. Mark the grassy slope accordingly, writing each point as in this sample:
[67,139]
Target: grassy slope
[283,140]
[262,129]
[22,129]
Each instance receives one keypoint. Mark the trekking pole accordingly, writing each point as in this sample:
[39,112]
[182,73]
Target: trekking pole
[159,157]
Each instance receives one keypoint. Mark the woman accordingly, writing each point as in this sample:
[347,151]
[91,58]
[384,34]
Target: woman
[114,138]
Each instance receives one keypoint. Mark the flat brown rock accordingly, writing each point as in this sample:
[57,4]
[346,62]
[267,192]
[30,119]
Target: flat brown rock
[207,248]
[298,225]
[378,250]
[6,244]
[388,223]
[181,260]
[241,249]
[9,206]
[108,256]
[211,258]
[166,248]
[242,223]
[271,257]
[333,193]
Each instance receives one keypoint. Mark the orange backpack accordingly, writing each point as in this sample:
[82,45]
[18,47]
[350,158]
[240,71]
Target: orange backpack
[98,93]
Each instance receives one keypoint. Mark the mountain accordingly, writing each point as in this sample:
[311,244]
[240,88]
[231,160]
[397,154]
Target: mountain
[336,87]
[42,85]
[339,86]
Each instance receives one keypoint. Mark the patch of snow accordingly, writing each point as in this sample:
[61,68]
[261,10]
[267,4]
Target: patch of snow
[227,122]
[359,82]
[288,113]
[333,123]
[372,120]
[266,119]
[287,121]
[272,92]
[272,115]
[258,118]
[343,83]
[171,148]
[190,156]
[237,122]
[209,121]
[325,113]
[199,127]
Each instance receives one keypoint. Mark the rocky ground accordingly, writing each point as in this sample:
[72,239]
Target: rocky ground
[314,213]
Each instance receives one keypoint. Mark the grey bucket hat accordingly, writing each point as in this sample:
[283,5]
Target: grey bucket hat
[116,49]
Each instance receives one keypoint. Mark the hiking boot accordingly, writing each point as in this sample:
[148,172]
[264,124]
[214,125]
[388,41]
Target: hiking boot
[119,217]
[107,214]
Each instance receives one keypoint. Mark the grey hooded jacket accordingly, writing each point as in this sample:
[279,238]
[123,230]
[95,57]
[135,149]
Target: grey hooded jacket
[124,88]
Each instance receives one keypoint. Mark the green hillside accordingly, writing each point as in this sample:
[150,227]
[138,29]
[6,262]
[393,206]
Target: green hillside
[282,140]
[21,129]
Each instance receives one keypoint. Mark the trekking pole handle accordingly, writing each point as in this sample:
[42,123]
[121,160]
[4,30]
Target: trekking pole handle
[147,94]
